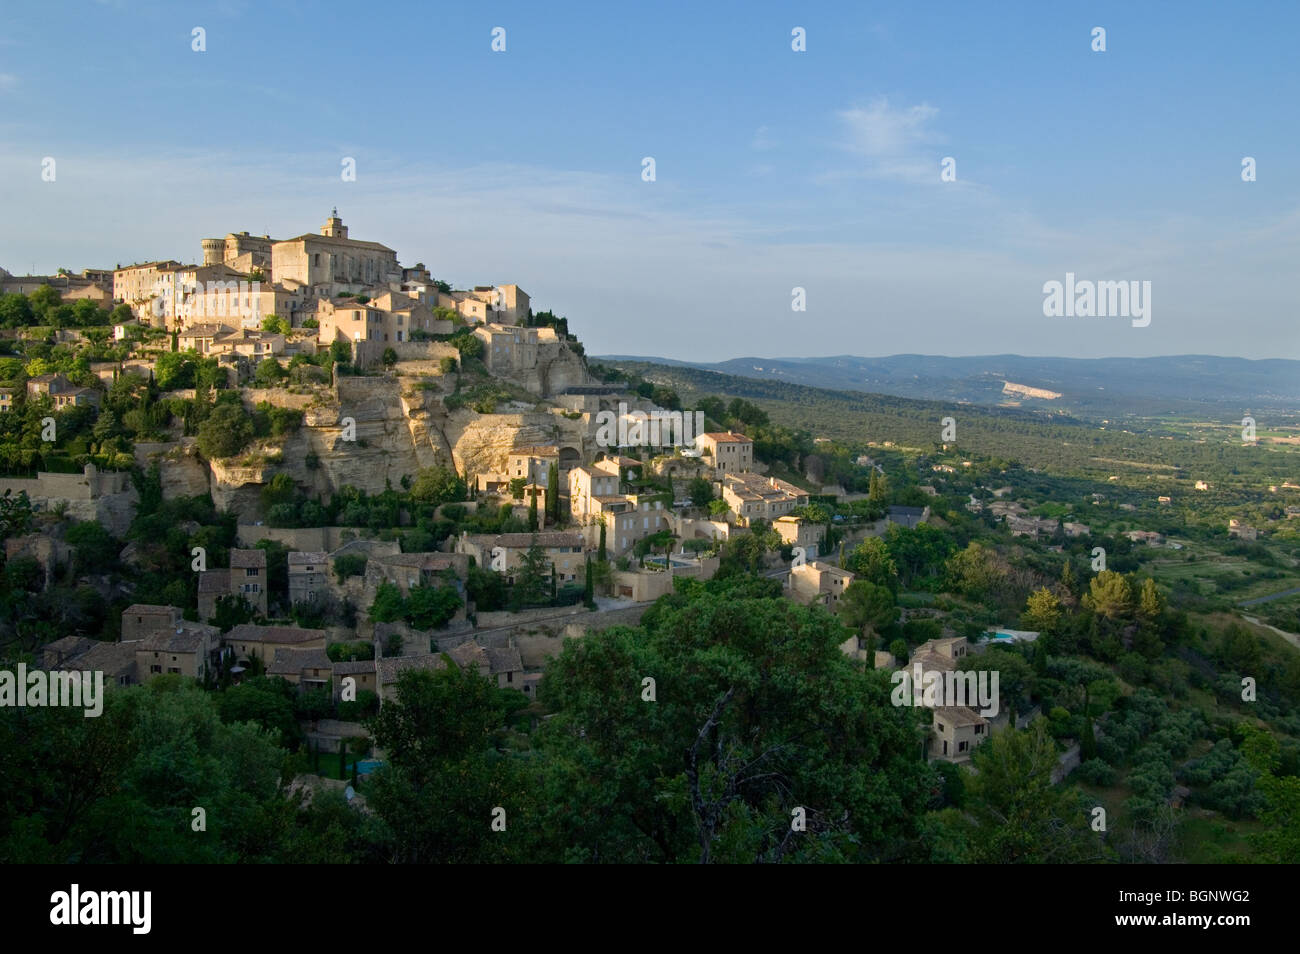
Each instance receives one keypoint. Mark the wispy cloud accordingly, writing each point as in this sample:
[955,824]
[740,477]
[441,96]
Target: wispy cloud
[910,272]
[762,140]
[893,140]
[8,82]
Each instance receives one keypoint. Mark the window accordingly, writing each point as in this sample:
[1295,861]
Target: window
[961,746]
[251,571]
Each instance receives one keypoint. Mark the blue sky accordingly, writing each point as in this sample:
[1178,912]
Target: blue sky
[774,168]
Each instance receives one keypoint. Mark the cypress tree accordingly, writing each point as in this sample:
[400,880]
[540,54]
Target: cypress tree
[553,493]
[532,513]
[600,552]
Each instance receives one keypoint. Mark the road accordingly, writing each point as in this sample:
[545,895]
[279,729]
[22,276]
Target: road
[1272,596]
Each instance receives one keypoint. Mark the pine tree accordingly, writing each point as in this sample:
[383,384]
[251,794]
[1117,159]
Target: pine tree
[1150,603]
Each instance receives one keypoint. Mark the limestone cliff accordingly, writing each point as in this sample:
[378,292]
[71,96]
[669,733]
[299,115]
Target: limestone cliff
[371,431]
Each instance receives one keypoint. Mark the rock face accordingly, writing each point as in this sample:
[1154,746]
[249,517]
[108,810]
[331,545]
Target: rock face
[557,368]
[184,473]
[371,431]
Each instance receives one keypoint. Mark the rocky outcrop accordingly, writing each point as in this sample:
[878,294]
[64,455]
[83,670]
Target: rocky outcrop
[369,432]
[182,471]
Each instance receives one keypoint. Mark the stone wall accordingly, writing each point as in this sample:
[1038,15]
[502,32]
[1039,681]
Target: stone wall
[107,497]
[278,397]
[308,539]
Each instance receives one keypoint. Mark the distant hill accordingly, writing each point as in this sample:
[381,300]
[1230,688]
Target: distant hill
[1178,385]
[1041,436]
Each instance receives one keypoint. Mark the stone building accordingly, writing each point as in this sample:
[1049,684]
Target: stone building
[248,577]
[334,262]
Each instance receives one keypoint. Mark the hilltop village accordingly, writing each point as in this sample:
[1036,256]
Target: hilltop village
[417,476]
[308,489]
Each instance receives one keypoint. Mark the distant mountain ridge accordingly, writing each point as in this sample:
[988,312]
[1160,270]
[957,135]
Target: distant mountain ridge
[1088,387]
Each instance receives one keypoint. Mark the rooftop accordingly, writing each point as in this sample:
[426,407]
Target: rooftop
[252,633]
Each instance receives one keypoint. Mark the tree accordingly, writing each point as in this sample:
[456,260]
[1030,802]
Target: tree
[44,299]
[553,493]
[269,373]
[1021,816]
[867,604]
[919,552]
[442,770]
[766,716]
[1150,603]
[588,587]
[437,485]
[389,358]
[265,702]
[225,432]
[231,610]
[1042,611]
[975,572]
[431,607]
[15,514]
[1109,595]
[1067,577]
[388,605]
[16,311]
[878,490]
[174,370]
[532,512]
[276,324]
[870,561]
[486,588]
[700,491]
[107,426]
[1279,841]
[532,578]
[95,547]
